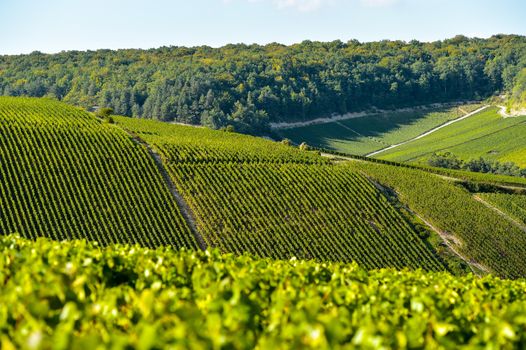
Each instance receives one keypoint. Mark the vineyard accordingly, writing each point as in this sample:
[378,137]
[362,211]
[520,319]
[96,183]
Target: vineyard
[65,174]
[277,201]
[485,134]
[76,295]
[192,145]
[480,234]
[370,133]
[513,205]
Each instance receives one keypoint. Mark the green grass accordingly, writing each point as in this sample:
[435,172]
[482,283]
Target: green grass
[367,134]
[486,135]
[79,296]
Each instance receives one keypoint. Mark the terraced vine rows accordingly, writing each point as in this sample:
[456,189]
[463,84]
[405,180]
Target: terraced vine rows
[512,204]
[485,236]
[64,174]
[271,200]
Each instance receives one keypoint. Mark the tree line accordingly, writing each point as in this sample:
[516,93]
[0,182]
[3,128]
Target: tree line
[249,86]
[481,165]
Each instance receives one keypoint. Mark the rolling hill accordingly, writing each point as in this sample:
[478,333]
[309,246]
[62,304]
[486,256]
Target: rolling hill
[250,86]
[361,134]
[70,175]
[64,174]
[302,250]
[486,134]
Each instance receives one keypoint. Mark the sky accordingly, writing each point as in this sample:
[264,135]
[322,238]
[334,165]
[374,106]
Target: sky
[55,25]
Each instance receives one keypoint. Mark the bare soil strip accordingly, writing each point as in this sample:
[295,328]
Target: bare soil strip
[500,212]
[186,211]
[335,118]
[514,113]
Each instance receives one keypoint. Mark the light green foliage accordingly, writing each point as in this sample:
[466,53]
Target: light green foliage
[272,200]
[512,204]
[486,135]
[368,134]
[484,235]
[517,100]
[75,295]
[66,175]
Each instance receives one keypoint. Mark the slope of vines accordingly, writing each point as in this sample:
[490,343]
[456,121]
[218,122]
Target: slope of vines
[72,295]
[252,195]
[184,144]
[483,234]
[512,204]
[65,174]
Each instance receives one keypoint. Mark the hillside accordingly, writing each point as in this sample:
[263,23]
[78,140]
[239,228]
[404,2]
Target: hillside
[76,295]
[486,134]
[361,135]
[89,178]
[480,235]
[249,86]
[128,180]
[272,200]
[65,174]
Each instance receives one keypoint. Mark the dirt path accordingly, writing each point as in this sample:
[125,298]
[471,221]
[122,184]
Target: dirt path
[505,114]
[185,210]
[429,132]
[500,212]
[450,240]
[336,157]
[452,243]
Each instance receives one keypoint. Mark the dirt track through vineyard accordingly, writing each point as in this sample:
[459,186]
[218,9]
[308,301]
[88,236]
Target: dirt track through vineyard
[186,211]
[500,212]
[450,240]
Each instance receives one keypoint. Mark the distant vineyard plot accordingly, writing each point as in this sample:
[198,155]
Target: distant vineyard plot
[486,134]
[370,133]
[511,204]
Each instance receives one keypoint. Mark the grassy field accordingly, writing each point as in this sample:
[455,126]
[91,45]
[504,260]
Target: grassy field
[367,134]
[486,135]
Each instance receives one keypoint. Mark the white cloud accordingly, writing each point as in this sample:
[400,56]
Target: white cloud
[378,3]
[311,5]
[301,5]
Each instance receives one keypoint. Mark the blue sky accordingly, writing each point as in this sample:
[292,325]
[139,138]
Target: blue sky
[56,25]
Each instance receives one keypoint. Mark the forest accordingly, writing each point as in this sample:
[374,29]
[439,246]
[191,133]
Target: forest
[248,86]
